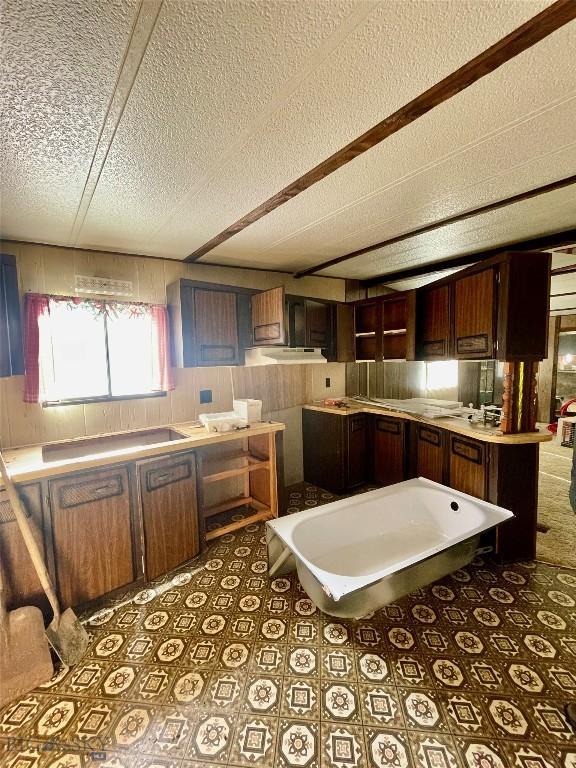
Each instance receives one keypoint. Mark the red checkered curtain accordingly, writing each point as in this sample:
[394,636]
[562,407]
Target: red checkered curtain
[162,371]
[37,308]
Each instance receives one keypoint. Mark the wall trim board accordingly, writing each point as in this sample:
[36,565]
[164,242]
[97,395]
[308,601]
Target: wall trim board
[494,206]
[519,40]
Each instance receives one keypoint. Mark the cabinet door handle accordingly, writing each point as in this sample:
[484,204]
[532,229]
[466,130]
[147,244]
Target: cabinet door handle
[161,478]
[103,489]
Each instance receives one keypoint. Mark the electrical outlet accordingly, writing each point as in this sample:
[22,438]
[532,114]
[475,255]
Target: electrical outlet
[205,396]
[327,383]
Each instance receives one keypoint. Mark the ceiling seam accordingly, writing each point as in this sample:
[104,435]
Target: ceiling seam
[142,30]
[523,37]
[472,213]
[424,169]
[334,41]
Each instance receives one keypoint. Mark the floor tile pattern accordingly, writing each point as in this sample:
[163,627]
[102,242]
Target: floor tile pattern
[217,665]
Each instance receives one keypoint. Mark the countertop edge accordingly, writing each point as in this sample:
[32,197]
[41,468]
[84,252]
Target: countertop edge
[34,468]
[523,438]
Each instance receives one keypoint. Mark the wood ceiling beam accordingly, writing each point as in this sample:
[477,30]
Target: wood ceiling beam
[543,243]
[519,40]
[564,270]
[442,223]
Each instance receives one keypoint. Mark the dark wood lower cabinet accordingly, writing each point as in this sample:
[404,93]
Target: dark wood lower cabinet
[169,512]
[389,442]
[429,452]
[467,471]
[335,450]
[21,585]
[92,534]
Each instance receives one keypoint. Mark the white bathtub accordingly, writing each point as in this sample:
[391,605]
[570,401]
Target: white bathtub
[356,555]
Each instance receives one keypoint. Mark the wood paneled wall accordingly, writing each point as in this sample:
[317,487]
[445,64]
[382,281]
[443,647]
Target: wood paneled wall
[49,269]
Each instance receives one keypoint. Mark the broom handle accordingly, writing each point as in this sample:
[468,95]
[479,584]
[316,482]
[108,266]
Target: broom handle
[29,540]
[3,614]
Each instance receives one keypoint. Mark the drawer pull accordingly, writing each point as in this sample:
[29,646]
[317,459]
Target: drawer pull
[159,478]
[77,493]
[104,489]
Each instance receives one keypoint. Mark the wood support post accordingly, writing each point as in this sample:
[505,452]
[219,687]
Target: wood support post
[519,400]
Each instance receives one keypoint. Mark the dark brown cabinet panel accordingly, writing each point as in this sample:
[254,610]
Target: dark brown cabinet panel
[433,323]
[474,315]
[468,466]
[430,452]
[216,328]
[335,450]
[389,438]
[169,512]
[21,584]
[317,324]
[11,354]
[92,534]
[268,317]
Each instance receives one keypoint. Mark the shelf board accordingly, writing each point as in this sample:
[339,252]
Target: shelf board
[225,506]
[252,463]
[262,513]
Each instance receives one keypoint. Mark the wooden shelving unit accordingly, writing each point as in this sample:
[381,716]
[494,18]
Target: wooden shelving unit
[242,478]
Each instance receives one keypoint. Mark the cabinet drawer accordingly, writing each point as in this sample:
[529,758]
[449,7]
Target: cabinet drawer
[77,492]
[158,478]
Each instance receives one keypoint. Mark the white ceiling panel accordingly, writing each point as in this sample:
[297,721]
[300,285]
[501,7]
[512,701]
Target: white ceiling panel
[530,218]
[59,63]
[502,136]
[227,110]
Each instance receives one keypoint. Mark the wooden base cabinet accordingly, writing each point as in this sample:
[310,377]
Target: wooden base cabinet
[467,469]
[429,452]
[169,512]
[335,450]
[389,442]
[92,534]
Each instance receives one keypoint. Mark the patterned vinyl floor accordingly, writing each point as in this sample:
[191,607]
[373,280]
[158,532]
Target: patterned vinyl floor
[216,665]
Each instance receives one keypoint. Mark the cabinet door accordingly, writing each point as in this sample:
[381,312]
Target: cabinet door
[92,534]
[317,324]
[296,312]
[389,454]
[468,466]
[215,327]
[325,452]
[11,355]
[357,469]
[430,453]
[170,513]
[475,315]
[268,320]
[433,323]
[21,585]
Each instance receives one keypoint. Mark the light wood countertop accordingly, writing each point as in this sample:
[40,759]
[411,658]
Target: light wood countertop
[26,463]
[493,435]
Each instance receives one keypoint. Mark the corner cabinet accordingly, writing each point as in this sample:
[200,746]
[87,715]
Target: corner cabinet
[169,512]
[433,323]
[383,328]
[335,450]
[389,441]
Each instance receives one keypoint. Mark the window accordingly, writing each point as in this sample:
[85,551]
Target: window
[82,349]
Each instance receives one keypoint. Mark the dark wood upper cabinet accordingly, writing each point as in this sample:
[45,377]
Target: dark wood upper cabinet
[317,323]
[389,438]
[268,317]
[210,324]
[169,512]
[11,353]
[383,327]
[475,315]
[92,534]
[433,323]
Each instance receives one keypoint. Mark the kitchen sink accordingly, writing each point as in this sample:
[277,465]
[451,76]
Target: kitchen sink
[76,449]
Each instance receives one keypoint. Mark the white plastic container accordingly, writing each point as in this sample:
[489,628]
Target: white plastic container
[221,422]
[248,409]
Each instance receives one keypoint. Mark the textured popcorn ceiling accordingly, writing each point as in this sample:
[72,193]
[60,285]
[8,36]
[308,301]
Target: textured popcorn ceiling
[151,127]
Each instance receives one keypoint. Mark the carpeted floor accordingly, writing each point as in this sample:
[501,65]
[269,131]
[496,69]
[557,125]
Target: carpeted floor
[558,544]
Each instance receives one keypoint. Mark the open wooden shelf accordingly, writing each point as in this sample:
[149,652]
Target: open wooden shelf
[262,513]
[251,463]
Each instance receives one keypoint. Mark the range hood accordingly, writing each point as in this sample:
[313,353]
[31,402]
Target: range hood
[283,355]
